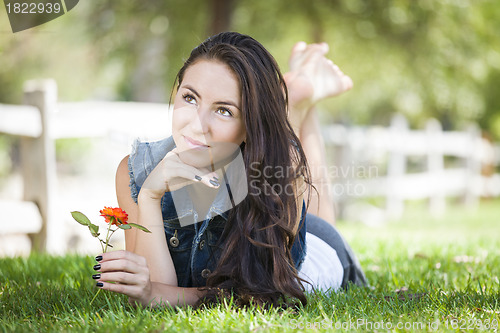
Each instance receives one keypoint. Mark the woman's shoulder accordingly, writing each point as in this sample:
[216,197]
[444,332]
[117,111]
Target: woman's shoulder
[145,156]
[150,153]
[151,149]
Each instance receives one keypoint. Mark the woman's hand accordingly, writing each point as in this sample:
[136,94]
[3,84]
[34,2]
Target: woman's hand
[126,273]
[172,174]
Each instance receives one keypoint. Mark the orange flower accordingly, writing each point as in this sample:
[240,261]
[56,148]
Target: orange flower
[115,216]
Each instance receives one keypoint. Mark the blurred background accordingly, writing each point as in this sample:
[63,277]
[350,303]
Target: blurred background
[424,60]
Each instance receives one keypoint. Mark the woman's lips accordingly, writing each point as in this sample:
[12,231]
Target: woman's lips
[194,144]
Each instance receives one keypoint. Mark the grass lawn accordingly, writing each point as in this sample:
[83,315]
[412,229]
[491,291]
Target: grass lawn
[446,271]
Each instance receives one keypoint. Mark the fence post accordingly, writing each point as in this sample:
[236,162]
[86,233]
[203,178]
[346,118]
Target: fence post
[39,163]
[396,167]
[435,166]
[339,156]
[473,166]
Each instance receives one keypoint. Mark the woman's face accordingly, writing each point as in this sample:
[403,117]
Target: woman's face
[207,122]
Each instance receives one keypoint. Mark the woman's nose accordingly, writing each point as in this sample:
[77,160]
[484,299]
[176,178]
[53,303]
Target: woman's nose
[201,121]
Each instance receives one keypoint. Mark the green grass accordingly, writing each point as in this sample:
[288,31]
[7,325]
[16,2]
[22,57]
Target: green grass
[450,266]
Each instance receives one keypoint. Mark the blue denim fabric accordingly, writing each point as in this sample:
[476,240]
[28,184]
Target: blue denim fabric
[198,246]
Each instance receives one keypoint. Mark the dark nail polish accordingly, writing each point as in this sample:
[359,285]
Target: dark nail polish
[97,267]
[214,183]
[98,258]
[216,178]
[99,284]
[198,178]
[96,276]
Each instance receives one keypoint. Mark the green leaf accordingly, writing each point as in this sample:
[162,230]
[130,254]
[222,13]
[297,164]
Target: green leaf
[140,227]
[94,229]
[81,218]
[124,226]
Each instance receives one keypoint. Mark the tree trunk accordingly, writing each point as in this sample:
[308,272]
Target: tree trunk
[221,15]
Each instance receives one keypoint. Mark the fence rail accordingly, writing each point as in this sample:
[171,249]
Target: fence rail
[390,149]
[42,121]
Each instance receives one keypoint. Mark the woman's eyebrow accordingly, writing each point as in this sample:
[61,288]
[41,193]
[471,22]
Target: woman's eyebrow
[218,102]
[228,103]
[192,90]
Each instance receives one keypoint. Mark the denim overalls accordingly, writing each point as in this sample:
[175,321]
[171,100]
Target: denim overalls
[194,246]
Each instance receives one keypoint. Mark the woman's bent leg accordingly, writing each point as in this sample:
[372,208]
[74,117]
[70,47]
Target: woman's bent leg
[321,203]
[328,233]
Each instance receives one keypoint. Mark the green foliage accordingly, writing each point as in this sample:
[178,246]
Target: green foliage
[421,58]
[450,267]
[138,226]
[71,153]
[83,220]
[94,229]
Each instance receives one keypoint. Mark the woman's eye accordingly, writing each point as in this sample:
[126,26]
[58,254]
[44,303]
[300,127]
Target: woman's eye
[225,112]
[189,98]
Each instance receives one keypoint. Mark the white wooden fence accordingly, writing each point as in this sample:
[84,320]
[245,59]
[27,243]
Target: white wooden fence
[361,155]
[40,122]
[373,162]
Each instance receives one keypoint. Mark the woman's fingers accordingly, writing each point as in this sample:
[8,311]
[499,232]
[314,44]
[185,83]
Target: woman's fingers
[124,278]
[190,173]
[172,174]
[126,256]
[123,272]
[195,175]
[119,265]
[133,291]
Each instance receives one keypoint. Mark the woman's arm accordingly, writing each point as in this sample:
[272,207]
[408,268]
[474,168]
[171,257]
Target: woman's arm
[147,212]
[127,273]
[299,190]
[126,202]
[145,272]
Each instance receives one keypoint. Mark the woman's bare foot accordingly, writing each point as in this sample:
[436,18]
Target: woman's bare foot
[312,77]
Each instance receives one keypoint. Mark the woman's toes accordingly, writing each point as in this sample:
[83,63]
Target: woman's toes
[299,46]
[347,82]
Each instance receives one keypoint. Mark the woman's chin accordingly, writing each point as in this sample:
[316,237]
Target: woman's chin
[213,156]
[196,158]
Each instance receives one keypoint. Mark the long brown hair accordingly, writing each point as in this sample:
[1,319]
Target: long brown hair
[256,264]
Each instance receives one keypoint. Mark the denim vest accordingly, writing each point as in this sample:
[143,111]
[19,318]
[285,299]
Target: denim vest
[195,247]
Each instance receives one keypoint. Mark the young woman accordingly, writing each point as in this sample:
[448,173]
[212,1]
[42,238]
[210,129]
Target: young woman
[225,195]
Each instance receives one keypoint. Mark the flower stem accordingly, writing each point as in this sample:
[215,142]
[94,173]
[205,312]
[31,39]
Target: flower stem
[102,248]
[108,235]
